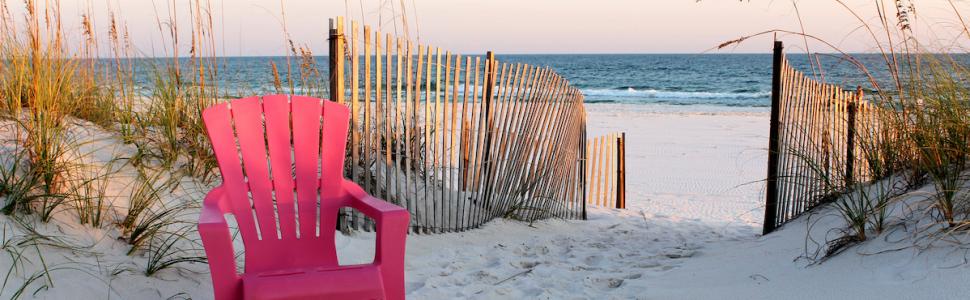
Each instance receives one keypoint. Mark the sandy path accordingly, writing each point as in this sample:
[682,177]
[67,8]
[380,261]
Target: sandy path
[691,165]
[687,175]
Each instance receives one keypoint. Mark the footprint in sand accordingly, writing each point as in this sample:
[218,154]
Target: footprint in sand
[594,260]
[414,285]
[527,264]
[584,268]
[680,253]
[604,283]
[493,262]
[647,265]
[448,269]
[523,250]
[483,276]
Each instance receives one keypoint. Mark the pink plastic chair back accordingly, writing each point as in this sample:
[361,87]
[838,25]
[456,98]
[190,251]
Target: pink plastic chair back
[272,150]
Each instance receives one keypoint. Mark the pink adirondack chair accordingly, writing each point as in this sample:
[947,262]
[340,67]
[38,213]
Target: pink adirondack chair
[286,202]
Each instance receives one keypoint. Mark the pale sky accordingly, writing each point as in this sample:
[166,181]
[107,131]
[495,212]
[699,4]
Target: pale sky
[252,27]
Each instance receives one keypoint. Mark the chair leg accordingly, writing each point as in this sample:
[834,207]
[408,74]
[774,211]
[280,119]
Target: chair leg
[392,240]
[222,265]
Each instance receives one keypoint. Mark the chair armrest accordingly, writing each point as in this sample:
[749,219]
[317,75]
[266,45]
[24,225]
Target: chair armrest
[217,241]
[214,207]
[373,207]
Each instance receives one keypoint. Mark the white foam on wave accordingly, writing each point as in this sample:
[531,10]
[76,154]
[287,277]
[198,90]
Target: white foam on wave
[661,94]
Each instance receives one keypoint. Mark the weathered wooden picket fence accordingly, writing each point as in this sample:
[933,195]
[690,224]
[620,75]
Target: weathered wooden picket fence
[457,140]
[814,142]
[606,170]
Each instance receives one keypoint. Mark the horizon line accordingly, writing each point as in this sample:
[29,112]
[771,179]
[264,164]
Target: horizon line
[577,53]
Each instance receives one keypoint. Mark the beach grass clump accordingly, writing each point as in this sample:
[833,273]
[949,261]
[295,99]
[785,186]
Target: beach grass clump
[18,184]
[158,229]
[167,114]
[141,218]
[89,193]
[42,84]
[171,132]
[168,249]
[925,121]
[121,84]
[312,82]
[828,183]
[940,131]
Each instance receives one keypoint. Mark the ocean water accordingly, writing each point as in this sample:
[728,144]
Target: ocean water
[737,80]
[727,80]
[675,79]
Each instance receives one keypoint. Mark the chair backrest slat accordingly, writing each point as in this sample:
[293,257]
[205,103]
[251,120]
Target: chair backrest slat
[333,154]
[307,115]
[276,110]
[247,115]
[218,123]
[332,164]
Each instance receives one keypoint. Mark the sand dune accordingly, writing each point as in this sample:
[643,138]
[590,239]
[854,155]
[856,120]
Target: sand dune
[691,231]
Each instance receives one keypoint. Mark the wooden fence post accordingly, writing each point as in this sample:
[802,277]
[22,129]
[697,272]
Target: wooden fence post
[491,68]
[336,58]
[771,196]
[621,171]
[850,139]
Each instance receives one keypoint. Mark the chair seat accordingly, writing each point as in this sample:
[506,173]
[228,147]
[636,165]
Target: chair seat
[346,282]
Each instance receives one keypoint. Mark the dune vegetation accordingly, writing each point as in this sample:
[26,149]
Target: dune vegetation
[921,144]
[81,142]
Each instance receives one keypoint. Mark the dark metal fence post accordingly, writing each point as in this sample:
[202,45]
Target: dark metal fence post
[771,201]
[582,165]
[335,57]
[621,171]
[850,141]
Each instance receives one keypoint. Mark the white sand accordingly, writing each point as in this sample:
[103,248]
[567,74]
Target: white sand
[691,232]
[692,181]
